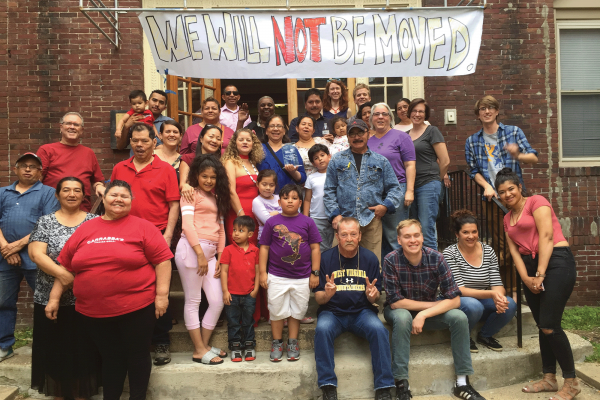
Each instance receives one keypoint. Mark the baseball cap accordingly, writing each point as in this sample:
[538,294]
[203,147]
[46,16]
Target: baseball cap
[22,156]
[358,123]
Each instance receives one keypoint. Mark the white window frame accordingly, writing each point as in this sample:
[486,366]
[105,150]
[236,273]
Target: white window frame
[571,161]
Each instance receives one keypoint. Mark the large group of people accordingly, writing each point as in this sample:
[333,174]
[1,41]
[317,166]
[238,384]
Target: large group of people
[254,216]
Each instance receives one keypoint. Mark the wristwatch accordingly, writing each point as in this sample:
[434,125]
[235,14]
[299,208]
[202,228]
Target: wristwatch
[315,273]
[538,275]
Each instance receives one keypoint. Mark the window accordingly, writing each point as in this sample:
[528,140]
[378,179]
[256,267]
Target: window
[579,90]
[386,90]
[191,92]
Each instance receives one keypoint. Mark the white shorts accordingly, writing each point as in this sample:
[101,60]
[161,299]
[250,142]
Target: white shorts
[287,297]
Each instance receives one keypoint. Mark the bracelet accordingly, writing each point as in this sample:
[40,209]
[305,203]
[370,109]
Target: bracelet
[241,209]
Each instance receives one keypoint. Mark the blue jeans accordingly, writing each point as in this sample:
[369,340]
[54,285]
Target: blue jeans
[485,310]
[365,324]
[10,284]
[240,324]
[425,208]
[454,320]
[390,222]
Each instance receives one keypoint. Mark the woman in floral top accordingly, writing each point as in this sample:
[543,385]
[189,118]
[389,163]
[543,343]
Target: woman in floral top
[63,362]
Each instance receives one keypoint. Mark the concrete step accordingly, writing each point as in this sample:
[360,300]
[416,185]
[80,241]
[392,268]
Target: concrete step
[181,342]
[8,392]
[431,372]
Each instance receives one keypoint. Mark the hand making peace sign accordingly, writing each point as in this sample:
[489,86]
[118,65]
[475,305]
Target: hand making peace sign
[371,291]
[330,287]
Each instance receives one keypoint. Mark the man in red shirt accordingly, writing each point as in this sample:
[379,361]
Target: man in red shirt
[68,157]
[155,199]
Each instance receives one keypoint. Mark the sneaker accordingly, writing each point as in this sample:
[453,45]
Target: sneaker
[307,320]
[473,346]
[6,354]
[249,352]
[293,351]
[383,394]
[162,354]
[467,392]
[329,392]
[489,342]
[236,352]
[402,391]
[276,351]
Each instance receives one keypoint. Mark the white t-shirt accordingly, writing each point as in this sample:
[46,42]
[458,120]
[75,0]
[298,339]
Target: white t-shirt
[262,208]
[316,183]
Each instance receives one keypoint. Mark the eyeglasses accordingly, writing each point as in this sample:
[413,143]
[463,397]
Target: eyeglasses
[381,114]
[29,166]
[484,109]
[418,112]
[275,126]
[74,124]
[231,92]
[355,133]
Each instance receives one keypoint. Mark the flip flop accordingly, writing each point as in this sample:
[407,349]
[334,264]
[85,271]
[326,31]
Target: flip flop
[217,351]
[206,359]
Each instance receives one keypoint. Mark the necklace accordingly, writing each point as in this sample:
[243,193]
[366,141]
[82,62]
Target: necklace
[514,216]
[335,110]
[248,172]
[357,260]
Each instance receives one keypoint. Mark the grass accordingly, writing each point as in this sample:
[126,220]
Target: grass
[23,337]
[585,321]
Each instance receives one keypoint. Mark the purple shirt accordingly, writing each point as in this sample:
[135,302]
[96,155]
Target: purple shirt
[289,239]
[397,147]
[230,118]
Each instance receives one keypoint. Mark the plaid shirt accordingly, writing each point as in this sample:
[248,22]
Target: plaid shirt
[477,159]
[404,281]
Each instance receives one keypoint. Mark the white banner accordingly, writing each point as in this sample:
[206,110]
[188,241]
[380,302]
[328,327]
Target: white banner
[311,44]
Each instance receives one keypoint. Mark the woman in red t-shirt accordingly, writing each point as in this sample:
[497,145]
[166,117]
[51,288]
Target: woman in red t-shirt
[122,272]
[546,265]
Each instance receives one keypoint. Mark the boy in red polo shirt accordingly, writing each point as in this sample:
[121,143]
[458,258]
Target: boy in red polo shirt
[239,280]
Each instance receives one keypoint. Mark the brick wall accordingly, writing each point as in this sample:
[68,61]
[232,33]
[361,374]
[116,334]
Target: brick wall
[52,60]
[517,65]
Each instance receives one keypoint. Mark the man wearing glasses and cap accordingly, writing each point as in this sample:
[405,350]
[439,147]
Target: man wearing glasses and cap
[230,111]
[21,204]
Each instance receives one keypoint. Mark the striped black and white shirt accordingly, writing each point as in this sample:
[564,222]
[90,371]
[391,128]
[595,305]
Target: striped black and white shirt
[480,277]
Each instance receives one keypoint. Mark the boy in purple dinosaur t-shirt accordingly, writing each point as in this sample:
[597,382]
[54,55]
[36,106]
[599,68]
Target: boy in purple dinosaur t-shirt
[290,246]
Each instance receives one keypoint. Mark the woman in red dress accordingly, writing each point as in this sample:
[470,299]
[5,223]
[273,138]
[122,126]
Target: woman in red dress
[241,156]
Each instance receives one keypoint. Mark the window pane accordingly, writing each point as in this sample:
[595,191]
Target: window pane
[579,59]
[377,94]
[304,83]
[196,99]
[183,121]
[376,81]
[301,109]
[394,93]
[395,79]
[209,82]
[182,95]
[580,121]
[320,83]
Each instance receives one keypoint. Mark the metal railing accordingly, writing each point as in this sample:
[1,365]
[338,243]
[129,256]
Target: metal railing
[465,193]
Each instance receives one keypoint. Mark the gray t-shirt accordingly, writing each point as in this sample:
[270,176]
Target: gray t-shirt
[49,230]
[428,169]
[492,151]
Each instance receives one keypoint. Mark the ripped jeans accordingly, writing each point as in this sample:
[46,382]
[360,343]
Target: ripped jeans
[547,309]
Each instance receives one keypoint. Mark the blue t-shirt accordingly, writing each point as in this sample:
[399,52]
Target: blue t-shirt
[289,239]
[350,280]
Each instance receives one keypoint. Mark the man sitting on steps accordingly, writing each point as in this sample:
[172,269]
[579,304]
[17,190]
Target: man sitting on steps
[349,286]
[411,277]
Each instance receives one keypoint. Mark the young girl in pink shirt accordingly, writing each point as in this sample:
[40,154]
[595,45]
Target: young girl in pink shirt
[199,250]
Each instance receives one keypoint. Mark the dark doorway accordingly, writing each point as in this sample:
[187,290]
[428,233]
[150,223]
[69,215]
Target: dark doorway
[253,89]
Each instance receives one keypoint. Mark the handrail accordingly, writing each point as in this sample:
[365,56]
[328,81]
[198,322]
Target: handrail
[465,193]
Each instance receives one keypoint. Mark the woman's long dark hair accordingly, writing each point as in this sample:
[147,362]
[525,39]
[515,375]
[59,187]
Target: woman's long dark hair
[222,192]
[207,128]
